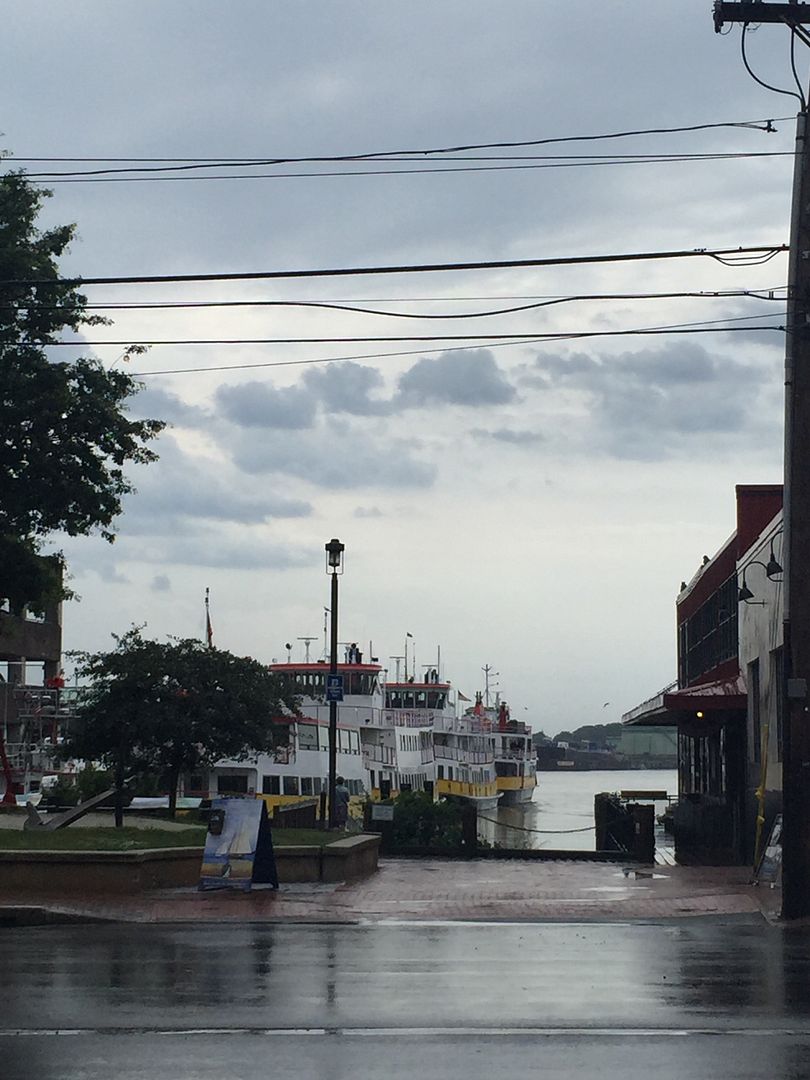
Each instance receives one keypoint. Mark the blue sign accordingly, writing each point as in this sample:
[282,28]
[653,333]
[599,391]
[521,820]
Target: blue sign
[334,688]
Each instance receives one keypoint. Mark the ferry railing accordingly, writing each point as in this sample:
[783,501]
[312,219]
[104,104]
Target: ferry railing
[459,753]
[463,725]
[422,718]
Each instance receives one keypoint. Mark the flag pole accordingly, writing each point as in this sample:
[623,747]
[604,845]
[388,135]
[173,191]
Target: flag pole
[209,633]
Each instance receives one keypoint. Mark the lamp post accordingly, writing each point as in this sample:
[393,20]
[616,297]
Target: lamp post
[334,567]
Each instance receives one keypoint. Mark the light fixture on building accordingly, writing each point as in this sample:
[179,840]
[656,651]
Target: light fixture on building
[773,566]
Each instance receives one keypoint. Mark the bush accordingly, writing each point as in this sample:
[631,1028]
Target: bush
[63,793]
[419,822]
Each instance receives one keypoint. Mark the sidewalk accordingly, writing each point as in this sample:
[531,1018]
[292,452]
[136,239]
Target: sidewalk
[444,890]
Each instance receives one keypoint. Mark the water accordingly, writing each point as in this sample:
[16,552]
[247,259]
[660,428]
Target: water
[562,807]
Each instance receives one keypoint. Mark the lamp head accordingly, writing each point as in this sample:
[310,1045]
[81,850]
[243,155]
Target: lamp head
[744,593]
[773,566]
[334,556]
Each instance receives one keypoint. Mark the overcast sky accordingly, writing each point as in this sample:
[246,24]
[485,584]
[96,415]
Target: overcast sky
[529,506]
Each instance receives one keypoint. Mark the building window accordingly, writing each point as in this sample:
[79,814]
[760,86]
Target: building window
[709,637]
[306,785]
[290,785]
[271,785]
[316,785]
[754,711]
[232,785]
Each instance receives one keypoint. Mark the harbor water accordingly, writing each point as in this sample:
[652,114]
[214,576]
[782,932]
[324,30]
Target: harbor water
[560,814]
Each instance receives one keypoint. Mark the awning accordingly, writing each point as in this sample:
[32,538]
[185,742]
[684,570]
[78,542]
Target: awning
[672,707]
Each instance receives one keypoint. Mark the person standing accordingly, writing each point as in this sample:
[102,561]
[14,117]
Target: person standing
[341,803]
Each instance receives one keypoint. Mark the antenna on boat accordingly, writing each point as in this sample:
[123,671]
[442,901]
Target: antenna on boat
[325,628]
[307,642]
[488,673]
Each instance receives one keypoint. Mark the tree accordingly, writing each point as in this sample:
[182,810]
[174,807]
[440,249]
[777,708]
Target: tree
[176,707]
[66,433]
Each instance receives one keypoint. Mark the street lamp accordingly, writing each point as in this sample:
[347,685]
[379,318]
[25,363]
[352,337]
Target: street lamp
[334,567]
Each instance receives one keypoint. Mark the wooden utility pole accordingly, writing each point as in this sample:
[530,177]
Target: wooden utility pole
[796,523]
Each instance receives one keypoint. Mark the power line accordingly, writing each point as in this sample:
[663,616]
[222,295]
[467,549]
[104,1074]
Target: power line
[492,344]
[358,340]
[740,256]
[338,305]
[765,125]
[420,171]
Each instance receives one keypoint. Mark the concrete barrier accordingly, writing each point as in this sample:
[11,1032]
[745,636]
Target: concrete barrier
[75,872]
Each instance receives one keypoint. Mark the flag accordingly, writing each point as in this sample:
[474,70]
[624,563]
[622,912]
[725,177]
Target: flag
[463,697]
[209,630]
[407,634]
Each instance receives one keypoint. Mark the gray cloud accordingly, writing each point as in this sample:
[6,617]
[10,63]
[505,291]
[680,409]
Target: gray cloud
[335,455]
[347,387]
[649,403]
[506,435]
[155,404]
[161,583]
[181,486]
[236,554]
[262,405]
[455,378]
[368,512]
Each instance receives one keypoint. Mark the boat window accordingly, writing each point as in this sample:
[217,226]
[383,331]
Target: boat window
[232,785]
[343,741]
[307,737]
[271,785]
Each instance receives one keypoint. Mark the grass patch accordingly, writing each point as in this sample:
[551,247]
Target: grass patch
[76,838]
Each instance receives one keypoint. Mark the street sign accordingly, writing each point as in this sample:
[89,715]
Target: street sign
[334,688]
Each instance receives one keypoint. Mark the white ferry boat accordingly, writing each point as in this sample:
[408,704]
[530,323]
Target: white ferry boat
[299,768]
[515,758]
[398,744]
[465,757]
[392,737]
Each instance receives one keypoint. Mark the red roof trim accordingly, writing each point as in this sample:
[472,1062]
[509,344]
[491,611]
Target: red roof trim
[723,694]
[281,668]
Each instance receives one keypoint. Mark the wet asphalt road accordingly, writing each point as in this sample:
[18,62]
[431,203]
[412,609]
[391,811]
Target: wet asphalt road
[687,999]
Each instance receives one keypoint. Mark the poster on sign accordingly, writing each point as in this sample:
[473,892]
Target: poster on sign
[238,846]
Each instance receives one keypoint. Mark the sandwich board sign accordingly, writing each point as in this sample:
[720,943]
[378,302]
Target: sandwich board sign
[771,862]
[238,846]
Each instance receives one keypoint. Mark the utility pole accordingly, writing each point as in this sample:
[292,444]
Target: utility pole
[334,567]
[796,504]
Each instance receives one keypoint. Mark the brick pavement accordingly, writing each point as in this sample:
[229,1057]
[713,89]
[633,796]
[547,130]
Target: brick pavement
[433,889]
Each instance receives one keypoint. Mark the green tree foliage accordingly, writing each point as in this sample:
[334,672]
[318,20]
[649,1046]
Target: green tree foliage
[66,435]
[176,707]
[598,734]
